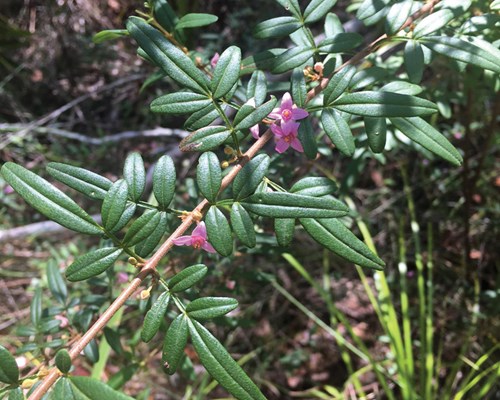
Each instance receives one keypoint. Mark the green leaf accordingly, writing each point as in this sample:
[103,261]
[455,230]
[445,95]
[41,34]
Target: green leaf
[414,61]
[92,389]
[248,115]
[113,339]
[242,225]
[402,87]
[338,131]
[63,361]
[219,231]
[127,215]
[299,89]
[257,87]
[168,57]
[290,205]
[227,72]
[292,6]
[195,20]
[89,183]
[376,130]
[397,16]
[187,278]
[314,186]
[425,135]
[36,307]
[114,205]
[333,235]
[205,139]
[263,60]
[135,175]
[16,394]
[470,51]
[175,343]
[142,227]
[369,9]
[92,264]
[341,42]
[294,57]
[317,9]
[333,25]
[384,104]
[367,77]
[220,365]
[250,176]
[108,34]
[202,118]
[123,375]
[145,247]
[180,103]
[154,316]
[9,372]
[91,351]
[209,176]
[276,27]
[48,200]
[165,15]
[284,228]
[338,84]
[210,307]
[56,282]
[164,181]
[432,23]
[307,138]
[62,390]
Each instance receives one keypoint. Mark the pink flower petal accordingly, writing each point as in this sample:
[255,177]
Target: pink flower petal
[183,241]
[299,113]
[297,145]
[208,247]
[290,128]
[275,114]
[214,60]
[200,230]
[277,130]
[281,146]
[286,102]
[254,130]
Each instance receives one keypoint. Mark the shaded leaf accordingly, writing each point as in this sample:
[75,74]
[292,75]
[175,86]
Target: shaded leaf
[56,282]
[164,14]
[284,228]
[317,9]
[314,186]
[397,16]
[307,138]
[248,116]
[209,176]
[36,307]
[94,389]
[257,87]
[250,176]
[294,57]
[92,264]
[432,23]
[135,175]
[179,103]
[114,205]
[187,278]
[292,6]
[210,307]
[175,343]
[340,42]
[219,231]
[338,84]
[202,118]
[402,87]
[338,131]
[299,89]
[164,181]
[205,139]
[276,27]
[142,227]
[145,247]
[195,20]
[242,225]
[154,316]
[376,130]
[63,361]
[227,72]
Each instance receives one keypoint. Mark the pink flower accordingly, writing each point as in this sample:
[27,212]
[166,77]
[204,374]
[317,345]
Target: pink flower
[286,136]
[288,111]
[254,130]
[214,60]
[198,239]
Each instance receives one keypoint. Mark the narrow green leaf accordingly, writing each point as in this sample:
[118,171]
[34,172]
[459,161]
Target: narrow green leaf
[276,27]
[56,282]
[16,394]
[164,14]
[109,34]
[209,176]
[142,227]
[414,61]
[114,205]
[338,84]
[376,130]
[292,6]
[367,77]
[220,365]
[145,247]
[371,8]
[242,225]
[299,89]
[432,23]
[154,316]
[384,104]
[333,25]
[205,139]
[127,215]
[9,372]
[219,231]
[91,351]
[470,51]
[89,183]
[63,361]
[164,181]
[113,339]
[317,9]
[48,200]
[227,72]
[202,118]
[263,60]
[210,307]
[254,115]
[308,139]
[314,186]
[180,103]
[92,264]
[257,87]
[124,375]
[292,58]
[135,175]
[175,343]
[187,278]
[62,390]
[284,228]
[92,389]
[340,43]
[397,16]
[291,205]
[250,176]
[36,307]
[333,235]
[195,20]
[402,87]
[168,57]
[338,131]
[425,135]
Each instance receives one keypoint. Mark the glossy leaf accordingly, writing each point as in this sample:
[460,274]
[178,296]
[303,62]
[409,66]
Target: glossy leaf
[62,390]
[175,343]
[145,247]
[308,139]
[369,9]
[292,58]
[338,131]
[242,225]
[376,130]
[164,14]
[397,16]
[250,176]
[56,282]
[246,118]
[89,183]
[36,307]
[9,372]
[219,231]
[263,60]
[93,389]
[63,361]
[202,118]
[332,234]
[142,227]
[135,175]
[210,307]
[164,181]
[414,61]
[284,228]
[113,339]
[127,215]
[292,6]
[195,20]
[341,42]
[220,365]
[299,89]
[314,186]
[338,84]
[114,205]
[317,9]
[402,87]
[291,205]
[384,104]
[91,351]
[205,139]
[209,176]
[16,394]
[109,34]
[168,57]
[257,87]
[425,135]
[92,264]
[48,200]
[187,278]
[154,316]
[432,23]
[276,27]
[180,103]
[227,72]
